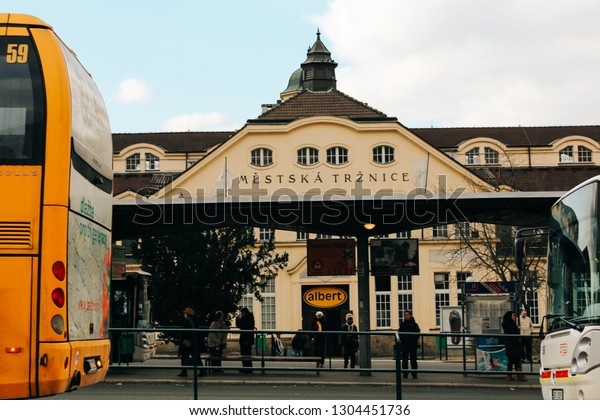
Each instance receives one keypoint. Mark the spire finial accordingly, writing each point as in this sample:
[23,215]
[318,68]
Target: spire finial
[321,76]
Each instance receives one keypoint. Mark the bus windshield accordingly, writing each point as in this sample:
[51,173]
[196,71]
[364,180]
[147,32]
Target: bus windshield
[21,103]
[573,282]
[131,301]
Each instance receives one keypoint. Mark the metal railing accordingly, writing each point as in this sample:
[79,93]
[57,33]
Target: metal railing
[470,351]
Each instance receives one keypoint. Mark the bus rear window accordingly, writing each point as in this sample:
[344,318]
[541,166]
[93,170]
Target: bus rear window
[21,103]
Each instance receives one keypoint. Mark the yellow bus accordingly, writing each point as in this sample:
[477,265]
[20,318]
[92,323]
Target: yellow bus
[55,217]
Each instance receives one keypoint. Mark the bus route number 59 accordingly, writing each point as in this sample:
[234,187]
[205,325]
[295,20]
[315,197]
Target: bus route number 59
[17,53]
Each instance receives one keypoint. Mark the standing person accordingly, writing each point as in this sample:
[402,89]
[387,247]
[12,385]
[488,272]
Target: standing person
[187,341]
[276,345]
[217,340]
[512,345]
[298,344]
[525,328]
[318,340]
[349,341]
[245,322]
[409,344]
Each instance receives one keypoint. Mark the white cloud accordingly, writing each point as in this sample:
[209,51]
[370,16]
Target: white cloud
[134,90]
[212,121]
[468,62]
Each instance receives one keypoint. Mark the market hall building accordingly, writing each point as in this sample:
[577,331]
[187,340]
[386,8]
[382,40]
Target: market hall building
[318,141]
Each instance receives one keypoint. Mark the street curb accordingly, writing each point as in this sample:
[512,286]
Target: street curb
[408,384]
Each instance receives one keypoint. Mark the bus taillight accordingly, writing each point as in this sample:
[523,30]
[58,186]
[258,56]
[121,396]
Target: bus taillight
[58,297]
[13,349]
[58,269]
[44,360]
[58,324]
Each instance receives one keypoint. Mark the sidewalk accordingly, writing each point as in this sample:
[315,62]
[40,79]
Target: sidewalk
[432,373]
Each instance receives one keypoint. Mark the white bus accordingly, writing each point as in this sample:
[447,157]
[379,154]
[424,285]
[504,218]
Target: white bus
[131,307]
[569,354]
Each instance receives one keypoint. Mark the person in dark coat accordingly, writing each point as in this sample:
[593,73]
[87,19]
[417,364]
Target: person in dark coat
[187,341]
[245,322]
[318,340]
[298,344]
[349,341]
[409,344]
[512,345]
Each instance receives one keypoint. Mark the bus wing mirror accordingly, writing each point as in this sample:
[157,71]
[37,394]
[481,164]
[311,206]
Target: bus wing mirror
[520,252]
[521,244]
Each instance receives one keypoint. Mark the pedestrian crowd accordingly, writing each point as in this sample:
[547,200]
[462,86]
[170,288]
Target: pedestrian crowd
[517,345]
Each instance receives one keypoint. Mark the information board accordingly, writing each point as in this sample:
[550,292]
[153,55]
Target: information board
[394,257]
[331,257]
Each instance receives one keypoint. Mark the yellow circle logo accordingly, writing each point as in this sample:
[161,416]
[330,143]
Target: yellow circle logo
[325,297]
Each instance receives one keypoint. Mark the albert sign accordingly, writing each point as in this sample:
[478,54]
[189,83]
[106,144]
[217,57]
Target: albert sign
[325,297]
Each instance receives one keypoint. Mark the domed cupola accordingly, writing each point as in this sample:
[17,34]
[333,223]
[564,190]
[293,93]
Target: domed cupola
[294,85]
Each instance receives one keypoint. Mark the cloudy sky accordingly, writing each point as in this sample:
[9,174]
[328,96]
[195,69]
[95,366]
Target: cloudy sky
[207,65]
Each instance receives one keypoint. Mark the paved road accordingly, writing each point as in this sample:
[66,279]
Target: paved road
[253,392]
[431,372]
[438,380]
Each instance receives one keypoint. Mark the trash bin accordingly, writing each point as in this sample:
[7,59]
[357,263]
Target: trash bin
[440,343]
[124,349]
[126,343]
[261,342]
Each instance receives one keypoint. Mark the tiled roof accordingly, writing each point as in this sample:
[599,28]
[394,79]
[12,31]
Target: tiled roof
[511,136]
[141,183]
[316,103]
[130,182]
[552,178]
[330,103]
[179,142]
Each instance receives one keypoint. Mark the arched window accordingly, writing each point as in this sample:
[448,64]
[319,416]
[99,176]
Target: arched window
[308,156]
[584,155]
[337,155]
[383,154]
[491,156]
[472,156]
[152,162]
[132,163]
[566,155]
[261,157]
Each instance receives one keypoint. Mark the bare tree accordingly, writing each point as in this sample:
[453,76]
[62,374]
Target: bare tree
[489,250]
